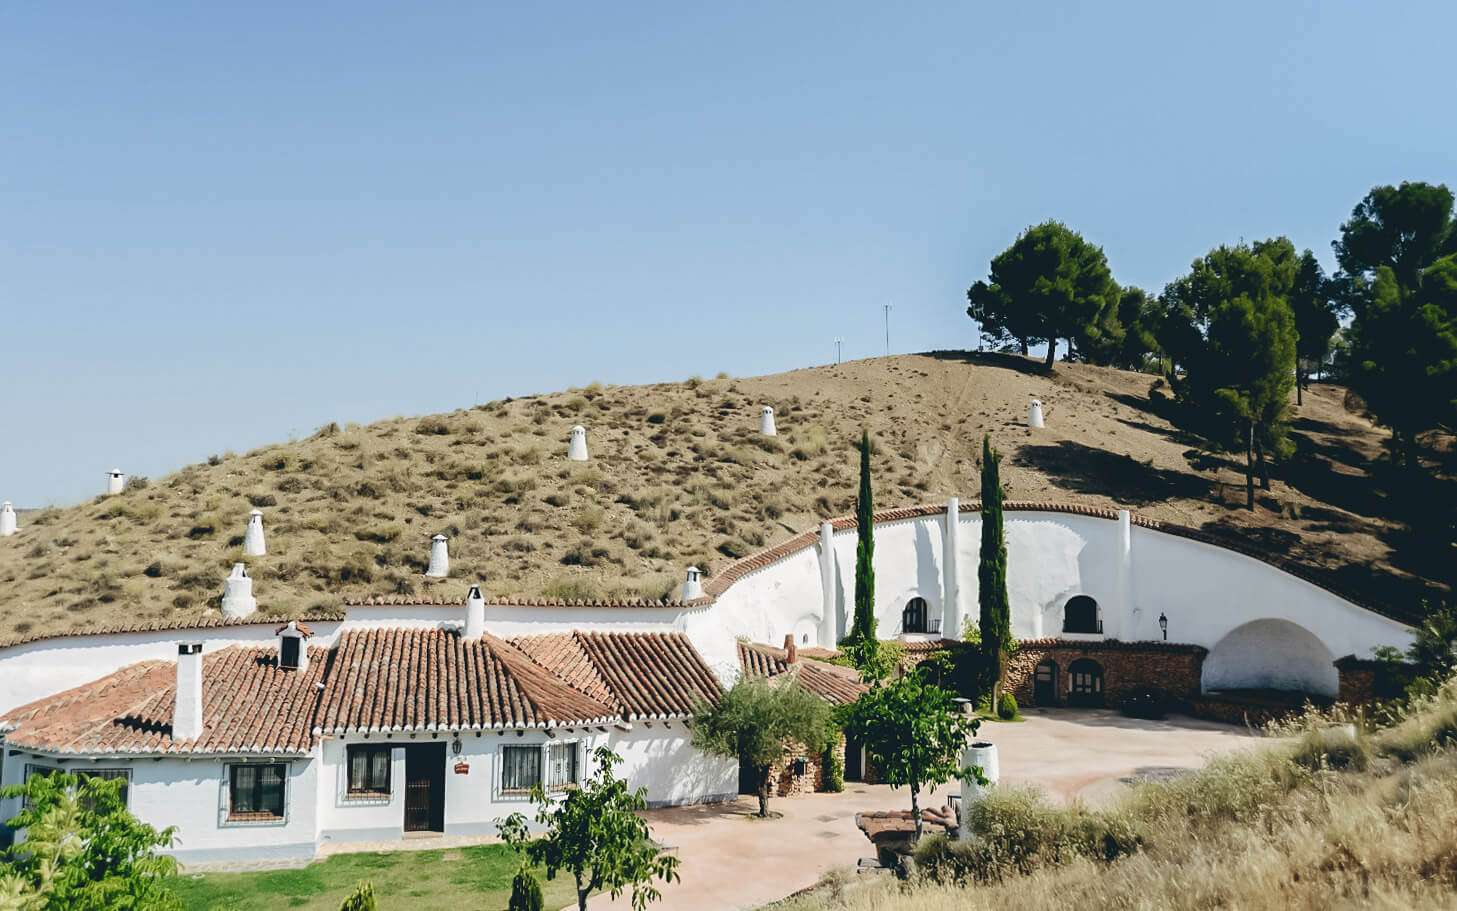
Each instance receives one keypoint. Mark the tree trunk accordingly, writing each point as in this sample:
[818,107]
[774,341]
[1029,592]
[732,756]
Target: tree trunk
[1023,342]
[1299,384]
[582,894]
[763,793]
[1250,466]
[916,809]
[1051,351]
[1264,465]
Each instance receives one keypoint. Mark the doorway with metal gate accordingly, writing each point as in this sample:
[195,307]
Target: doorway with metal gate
[425,787]
[1085,683]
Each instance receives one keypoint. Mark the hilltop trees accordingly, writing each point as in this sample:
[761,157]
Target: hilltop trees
[1050,284]
[1315,319]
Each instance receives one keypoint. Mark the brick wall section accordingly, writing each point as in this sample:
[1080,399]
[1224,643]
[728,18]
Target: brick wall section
[1172,667]
[784,783]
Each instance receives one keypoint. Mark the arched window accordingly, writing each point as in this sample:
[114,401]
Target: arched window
[1080,615]
[913,618]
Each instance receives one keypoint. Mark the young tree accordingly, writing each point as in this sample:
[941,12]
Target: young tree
[1138,317]
[861,642]
[913,733]
[84,850]
[1315,319]
[991,572]
[1050,284]
[757,721]
[595,834]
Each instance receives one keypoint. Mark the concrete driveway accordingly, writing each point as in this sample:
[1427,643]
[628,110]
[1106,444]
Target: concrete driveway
[733,861]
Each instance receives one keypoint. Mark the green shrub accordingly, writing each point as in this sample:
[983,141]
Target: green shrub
[834,769]
[525,892]
[361,899]
[1007,706]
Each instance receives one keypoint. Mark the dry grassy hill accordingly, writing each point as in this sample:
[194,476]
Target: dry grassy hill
[678,476]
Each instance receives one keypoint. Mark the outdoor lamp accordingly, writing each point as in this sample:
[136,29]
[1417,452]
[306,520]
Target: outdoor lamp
[1164,625]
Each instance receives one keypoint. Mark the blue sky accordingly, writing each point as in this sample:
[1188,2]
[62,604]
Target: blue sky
[222,227]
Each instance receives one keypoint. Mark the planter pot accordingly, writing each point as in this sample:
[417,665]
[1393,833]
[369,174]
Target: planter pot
[983,754]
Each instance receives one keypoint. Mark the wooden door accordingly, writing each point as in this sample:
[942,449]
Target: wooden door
[1086,677]
[425,787]
[1044,684]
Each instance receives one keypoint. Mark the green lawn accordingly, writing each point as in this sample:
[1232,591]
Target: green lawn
[480,880]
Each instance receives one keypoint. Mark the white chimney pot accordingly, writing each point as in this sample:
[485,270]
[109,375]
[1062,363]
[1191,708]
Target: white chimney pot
[577,447]
[475,615]
[439,558]
[187,712]
[766,422]
[7,520]
[238,600]
[693,584]
[253,544]
[1034,414]
[115,481]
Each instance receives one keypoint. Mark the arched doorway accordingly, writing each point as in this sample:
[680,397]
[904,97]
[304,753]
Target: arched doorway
[1044,683]
[1272,654]
[1085,683]
[913,618]
[1080,615]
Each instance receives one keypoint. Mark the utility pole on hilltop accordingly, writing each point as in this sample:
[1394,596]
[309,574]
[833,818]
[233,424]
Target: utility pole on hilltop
[838,340]
[887,329]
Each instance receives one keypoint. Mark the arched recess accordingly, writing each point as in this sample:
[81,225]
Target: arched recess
[1271,654]
[915,616]
[1080,615]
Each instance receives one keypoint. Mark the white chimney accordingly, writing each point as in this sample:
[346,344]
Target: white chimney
[253,545]
[983,755]
[7,520]
[187,713]
[1034,414]
[238,600]
[766,422]
[439,558]
[115,481]
[693,585]
[577,448]
[475,614]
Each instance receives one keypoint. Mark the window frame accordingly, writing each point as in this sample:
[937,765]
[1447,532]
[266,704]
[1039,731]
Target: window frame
[532,748]
[370,750]
[285,643]
[920,609]
[574,775]
[263,816]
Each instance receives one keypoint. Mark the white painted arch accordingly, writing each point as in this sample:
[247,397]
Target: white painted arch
[1272,654]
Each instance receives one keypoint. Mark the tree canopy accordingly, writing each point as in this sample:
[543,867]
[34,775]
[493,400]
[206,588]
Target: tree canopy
[1315,318]
[758,721]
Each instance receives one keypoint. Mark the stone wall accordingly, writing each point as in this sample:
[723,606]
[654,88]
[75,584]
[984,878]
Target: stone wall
[1174,668]
[1360,680]
[783,782]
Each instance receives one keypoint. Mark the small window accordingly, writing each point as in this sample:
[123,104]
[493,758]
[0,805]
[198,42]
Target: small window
[520,768]
[1080,615]
[913,618]
[288,656]
[255,791]
[369,771]
[561,769]
[111,775]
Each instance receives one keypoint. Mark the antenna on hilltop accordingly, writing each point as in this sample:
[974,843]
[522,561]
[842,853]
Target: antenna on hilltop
[887,329]
[838,340]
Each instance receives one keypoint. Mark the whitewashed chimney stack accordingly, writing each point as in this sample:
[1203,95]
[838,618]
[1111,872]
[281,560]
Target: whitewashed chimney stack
[238,600]
[187,712]
[253,543]
[115,481]
[475,615]
[766,422]
[1034,414]
[984,755]
[577,448]
[439,558]
[7,520]
[693,584]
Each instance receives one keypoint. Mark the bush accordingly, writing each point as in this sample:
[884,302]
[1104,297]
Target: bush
[361,899]
[834,769]
[525,892]
[1007,707]
[432,426]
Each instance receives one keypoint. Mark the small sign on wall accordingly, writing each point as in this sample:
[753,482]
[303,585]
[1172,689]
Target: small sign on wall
[462,768]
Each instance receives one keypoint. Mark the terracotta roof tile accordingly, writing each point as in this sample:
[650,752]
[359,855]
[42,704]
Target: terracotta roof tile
[835,684]
[651,675]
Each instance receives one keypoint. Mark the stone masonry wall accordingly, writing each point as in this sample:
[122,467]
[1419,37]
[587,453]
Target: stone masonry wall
[1171,667]
[784,783]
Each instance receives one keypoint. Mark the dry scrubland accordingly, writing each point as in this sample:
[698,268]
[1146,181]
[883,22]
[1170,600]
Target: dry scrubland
[1297,826]
[678,476]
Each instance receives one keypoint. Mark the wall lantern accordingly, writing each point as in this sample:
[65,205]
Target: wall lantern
[455,746]
[1164,625]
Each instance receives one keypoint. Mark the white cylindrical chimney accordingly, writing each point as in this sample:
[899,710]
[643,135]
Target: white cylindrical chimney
[950,582]
[983,755]
[7,520]
[187,712]
[766,422]
[238,600]
[1034,414]
[693,584]
[475,614]
[253,544]
[439,558]
[829,626]
[577,447]
[115,481]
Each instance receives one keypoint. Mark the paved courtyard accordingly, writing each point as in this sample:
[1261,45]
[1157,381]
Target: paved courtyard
[732,861]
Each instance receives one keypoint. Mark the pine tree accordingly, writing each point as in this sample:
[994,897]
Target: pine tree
[863,629]
[996,621]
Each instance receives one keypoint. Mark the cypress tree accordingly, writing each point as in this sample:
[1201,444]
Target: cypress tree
[863,629]
[991,572]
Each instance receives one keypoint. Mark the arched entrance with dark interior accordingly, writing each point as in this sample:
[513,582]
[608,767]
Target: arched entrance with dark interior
[1085,683]
[913,618]
[1044,683]
[1080,615]
[1271,654]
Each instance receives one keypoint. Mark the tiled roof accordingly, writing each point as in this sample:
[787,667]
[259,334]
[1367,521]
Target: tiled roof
[248,706]
[382,679]
[835,684]
[396,679]
[1114,645]
[167,626]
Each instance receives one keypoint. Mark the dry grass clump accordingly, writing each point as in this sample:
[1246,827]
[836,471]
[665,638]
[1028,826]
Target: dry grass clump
[679,475]
[1316,821]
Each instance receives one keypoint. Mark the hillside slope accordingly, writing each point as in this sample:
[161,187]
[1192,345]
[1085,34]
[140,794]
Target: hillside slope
[678,476]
